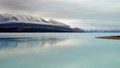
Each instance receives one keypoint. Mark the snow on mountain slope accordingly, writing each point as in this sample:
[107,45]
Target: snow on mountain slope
[9,18]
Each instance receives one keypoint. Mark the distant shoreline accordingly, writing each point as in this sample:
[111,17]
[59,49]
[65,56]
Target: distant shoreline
[109,37]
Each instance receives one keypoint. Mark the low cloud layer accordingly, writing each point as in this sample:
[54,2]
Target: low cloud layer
[81,13]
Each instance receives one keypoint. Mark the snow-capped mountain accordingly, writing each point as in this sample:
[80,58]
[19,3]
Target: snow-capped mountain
[27,23]
[103,31]
[8,18]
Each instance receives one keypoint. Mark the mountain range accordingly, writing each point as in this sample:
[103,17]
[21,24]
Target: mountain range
[103,31]
[27,23]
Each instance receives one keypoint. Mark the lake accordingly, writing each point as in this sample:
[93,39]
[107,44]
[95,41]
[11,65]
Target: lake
[59,50]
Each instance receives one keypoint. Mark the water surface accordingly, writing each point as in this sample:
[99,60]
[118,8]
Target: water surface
[58,50]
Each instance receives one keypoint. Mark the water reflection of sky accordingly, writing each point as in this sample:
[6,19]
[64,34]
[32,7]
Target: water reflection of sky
[58,51]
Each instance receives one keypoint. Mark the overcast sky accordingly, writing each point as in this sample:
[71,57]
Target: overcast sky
[86,14]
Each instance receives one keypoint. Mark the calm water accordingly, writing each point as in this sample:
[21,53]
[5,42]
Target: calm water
[58,50]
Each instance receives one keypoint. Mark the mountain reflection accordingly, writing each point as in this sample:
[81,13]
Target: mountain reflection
[29,42]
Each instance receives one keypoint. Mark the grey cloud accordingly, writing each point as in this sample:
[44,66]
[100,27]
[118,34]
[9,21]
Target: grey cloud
[13,5]
[95,10]
[80,10]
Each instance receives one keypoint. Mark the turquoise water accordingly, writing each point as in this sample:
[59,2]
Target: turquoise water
[58,50]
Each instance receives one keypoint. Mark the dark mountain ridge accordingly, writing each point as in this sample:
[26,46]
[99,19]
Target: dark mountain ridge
[26,23]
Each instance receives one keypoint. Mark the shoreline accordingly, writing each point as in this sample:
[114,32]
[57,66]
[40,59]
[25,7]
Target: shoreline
[109,37]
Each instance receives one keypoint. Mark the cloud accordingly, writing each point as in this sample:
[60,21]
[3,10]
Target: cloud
[91,12]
